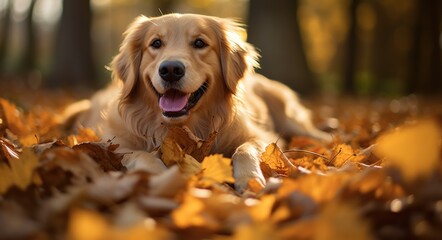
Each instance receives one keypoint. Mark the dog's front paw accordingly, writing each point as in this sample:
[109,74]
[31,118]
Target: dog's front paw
[245,168]
[141,160]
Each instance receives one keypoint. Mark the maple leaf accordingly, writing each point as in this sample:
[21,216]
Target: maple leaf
[343,153]
[19,171]
[274,162]
[413,148]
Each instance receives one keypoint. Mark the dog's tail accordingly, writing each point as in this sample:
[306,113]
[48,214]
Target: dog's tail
[69,117]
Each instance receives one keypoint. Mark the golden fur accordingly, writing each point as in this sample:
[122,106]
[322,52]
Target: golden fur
[248,110]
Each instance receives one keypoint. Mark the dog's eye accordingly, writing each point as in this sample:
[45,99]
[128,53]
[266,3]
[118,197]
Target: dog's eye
[156,43]
[199,43]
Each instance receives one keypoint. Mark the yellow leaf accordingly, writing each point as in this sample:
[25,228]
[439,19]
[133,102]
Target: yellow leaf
[20,171]
[192,213]
[263,210]
[86,224]
[414,149]
[274,162]
[258,231]
[341,221]
[189,165]
[217,169]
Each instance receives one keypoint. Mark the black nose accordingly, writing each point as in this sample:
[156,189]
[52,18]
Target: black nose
[171,71]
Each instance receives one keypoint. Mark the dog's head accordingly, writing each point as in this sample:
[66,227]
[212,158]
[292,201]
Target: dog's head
[182,63]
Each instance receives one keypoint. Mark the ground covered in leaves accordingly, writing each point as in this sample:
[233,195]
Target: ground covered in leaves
[380,178]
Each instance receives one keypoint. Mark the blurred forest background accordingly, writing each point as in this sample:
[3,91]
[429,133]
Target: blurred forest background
[355,47]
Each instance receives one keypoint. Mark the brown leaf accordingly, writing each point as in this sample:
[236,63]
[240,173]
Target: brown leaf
[189,143]
[171,152]
[79,165]
[103,154]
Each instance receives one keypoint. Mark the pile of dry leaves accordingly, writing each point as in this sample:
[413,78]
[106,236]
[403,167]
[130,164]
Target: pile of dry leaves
[380,178]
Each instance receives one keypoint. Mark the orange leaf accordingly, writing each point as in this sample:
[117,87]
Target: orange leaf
[274,160]
[344,153]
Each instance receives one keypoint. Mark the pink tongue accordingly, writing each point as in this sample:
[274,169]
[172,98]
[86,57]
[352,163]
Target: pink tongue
[173,101]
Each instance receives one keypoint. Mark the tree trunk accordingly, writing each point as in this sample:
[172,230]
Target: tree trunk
[28,61]
[72,60]
[274,29]
[425,57]
[351,51]
[5,31]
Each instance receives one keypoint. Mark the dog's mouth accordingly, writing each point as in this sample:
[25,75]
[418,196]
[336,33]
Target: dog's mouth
[175,103]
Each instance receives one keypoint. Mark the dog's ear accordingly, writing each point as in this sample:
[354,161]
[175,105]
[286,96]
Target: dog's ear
[126,64]
[237,57]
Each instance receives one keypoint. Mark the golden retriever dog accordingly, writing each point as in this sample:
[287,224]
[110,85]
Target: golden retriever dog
[194,71]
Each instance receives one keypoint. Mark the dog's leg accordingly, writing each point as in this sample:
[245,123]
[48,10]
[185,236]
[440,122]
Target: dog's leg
[245,163]
[289,116]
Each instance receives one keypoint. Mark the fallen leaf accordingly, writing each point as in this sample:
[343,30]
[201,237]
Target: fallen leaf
[319,187]
[341,221]
[274,160]
[189,166]
[256,231]
[20,171]
[254,186]
[12,118]
[103,154]
[343,153]
[84,135]
[66,162]
[263,210]
[192,213]
[412,148]
[85,224]
[189,143]
[217,169]
[171,152]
